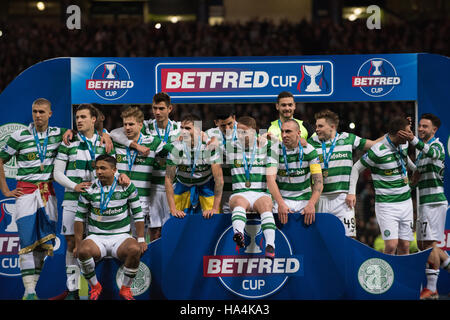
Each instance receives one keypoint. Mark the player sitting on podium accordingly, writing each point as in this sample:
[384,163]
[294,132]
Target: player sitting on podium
[106,206]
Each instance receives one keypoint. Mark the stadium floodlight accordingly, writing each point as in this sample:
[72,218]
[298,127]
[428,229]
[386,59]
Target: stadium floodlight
[357,11]
[40,5]
[352,17]
[158,26]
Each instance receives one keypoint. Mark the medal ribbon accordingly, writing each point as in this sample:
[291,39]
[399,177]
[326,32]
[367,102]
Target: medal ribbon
[398,156]
[41,149]
[300,156]
[166,131]
[233,136]
[90,147]
[196,154]
[131,155]
[247,166]
[327,156]
[104,202]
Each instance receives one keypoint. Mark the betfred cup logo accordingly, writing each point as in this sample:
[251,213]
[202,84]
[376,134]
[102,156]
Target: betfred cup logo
[313,72]
[248,273]
[110,81]
[376,77]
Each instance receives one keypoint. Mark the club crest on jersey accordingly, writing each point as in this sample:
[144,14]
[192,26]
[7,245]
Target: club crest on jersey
[110,81]
[247,273]
[376,77]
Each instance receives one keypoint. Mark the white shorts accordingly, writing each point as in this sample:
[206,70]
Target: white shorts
[68,219]
[158,208]
[335,205]
[430,224]
[251,197]
[395,220]
[294,205]
[108,244]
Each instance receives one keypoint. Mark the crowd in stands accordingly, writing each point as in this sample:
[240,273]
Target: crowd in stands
[23,44]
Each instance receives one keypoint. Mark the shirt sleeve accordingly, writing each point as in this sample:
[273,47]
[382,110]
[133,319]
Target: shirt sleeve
[82,208]
[10,149]
[134,203]
[118,135]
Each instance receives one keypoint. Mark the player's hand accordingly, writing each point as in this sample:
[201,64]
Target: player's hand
[14,193]
[67,136]
[178,213]
[209,213]
[350,200]
[123,180]
[310,213]
[283,211]
[414,179]
[143,246]
[408,135]
[107,142]
[212,144]
[81,187]
[143,150]
[75,251]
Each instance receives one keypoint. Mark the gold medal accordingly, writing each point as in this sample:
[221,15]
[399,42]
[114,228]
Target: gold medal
[41,167]
[406,180]
[93,164]
[325,173]
[247,184]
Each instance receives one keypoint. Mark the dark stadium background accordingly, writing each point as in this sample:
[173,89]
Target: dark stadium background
[179,28]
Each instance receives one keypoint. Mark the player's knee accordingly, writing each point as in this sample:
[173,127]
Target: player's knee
[134,250]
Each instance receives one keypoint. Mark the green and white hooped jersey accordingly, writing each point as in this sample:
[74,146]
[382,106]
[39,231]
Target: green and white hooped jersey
[141,170]
[205,158]
[226,167]
[79,164]
[266,155]
[116,218]
[297,184]
[159,166]
[386,170]
[431,166]
[22,145]
[341,161]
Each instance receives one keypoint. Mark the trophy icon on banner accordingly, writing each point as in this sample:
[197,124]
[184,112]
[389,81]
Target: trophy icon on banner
[313,72]
[377,64]
[111,67]
[252,229]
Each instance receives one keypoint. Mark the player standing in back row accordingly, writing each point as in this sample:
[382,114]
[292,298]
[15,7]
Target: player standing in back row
[432,211]
[335,152]
[167,131]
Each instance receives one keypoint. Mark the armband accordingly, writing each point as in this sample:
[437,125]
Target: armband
[315,168]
